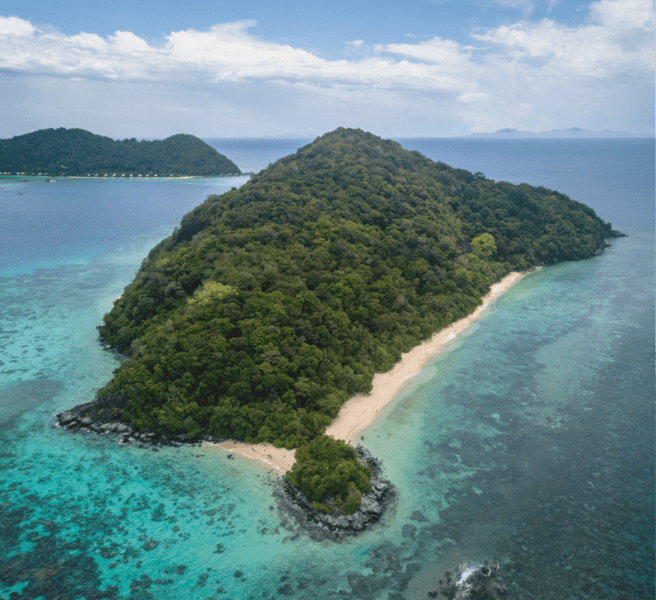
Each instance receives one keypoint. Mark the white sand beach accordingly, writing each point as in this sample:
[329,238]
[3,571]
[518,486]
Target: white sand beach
[361,410]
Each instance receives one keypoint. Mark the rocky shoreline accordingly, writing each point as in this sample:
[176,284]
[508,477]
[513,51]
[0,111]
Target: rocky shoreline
[295,508]
[336,525]
[88,418]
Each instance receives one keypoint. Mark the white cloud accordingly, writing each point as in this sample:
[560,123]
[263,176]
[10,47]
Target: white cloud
[228,52]
[437,51]
[129,43]
[626,14]
[527,75]
[221,54]
[546,75]
[613,43]
[16,26]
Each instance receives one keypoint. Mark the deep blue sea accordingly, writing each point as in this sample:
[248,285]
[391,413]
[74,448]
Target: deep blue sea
[529,441]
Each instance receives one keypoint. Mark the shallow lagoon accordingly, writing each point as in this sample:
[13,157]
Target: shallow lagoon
[530,441]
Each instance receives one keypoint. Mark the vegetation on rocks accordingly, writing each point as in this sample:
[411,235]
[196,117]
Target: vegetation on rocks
[328,473]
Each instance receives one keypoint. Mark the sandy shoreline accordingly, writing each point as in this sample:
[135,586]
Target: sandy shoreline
[361,410]
[276,459]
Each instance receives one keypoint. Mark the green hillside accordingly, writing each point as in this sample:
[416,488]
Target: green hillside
[76,152]
[272,304]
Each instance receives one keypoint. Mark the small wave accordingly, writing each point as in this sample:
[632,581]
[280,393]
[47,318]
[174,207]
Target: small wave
[475,581]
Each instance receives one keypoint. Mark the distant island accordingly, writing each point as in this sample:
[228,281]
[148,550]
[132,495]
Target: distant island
[272,304]
[573,132]
[79,153]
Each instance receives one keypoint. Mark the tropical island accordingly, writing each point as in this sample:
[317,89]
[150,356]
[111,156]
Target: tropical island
[79,153]
[273,304]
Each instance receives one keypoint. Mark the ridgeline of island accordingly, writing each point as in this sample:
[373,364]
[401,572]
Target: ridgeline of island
[79,153]
[273,304]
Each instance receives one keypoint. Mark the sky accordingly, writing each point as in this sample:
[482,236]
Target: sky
[253,68]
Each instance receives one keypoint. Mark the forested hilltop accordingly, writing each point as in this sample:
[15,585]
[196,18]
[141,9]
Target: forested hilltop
[272,304]
[76,152]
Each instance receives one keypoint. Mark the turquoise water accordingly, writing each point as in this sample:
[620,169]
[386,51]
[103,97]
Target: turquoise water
[529,442]
[533,439]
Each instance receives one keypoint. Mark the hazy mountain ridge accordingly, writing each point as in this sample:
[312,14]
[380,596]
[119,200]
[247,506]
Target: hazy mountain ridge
[572,132]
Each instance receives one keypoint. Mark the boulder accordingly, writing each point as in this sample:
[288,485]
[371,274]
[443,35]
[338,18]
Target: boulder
[66,418]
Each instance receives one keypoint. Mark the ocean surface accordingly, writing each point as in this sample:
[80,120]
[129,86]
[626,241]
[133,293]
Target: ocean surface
[528,442]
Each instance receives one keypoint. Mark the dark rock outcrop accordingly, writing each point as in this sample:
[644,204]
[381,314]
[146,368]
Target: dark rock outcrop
[98,417]
[335,525]
[101,411]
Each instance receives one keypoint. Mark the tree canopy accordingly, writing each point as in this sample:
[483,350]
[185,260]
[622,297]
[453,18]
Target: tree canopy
[328,473]
[272,304]
[76,152]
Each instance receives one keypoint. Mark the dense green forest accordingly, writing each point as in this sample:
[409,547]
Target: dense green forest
[76,152]
[328,469]
[272,304]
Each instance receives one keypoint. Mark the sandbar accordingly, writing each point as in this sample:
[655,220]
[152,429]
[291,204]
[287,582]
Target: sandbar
[361,410]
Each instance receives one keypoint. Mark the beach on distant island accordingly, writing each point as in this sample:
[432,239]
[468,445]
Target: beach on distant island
[361,410]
